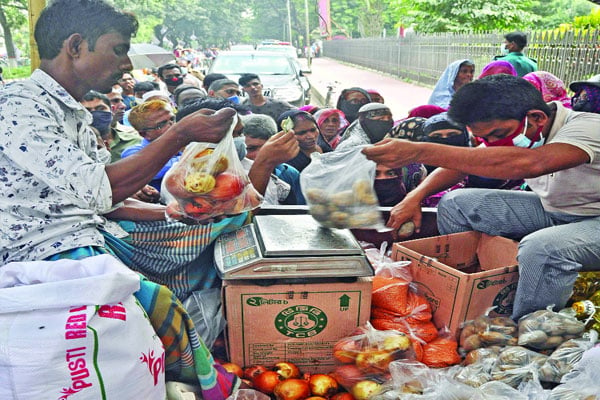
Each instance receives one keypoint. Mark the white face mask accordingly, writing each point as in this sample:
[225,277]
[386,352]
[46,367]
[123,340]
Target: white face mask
[503,49]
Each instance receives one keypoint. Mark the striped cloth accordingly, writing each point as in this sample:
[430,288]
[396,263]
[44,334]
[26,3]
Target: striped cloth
[186,357]
[171,253]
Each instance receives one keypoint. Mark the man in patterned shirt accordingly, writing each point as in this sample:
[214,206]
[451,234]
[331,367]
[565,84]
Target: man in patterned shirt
[54,190]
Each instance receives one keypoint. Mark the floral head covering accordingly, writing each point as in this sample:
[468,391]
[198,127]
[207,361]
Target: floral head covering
[593,99]
[498,67]
[409,129]
[551,87]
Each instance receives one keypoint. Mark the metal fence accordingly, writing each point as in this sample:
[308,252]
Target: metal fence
[569,55]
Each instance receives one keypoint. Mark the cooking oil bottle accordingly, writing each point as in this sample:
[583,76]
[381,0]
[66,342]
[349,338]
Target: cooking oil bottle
[589,311]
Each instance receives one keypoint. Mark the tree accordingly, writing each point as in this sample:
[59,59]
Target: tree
[463,15]
[12,16]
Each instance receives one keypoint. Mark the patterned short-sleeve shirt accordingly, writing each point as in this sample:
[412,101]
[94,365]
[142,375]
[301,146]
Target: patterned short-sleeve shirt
[53,188]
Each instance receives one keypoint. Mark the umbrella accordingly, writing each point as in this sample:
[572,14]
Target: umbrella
[146,55]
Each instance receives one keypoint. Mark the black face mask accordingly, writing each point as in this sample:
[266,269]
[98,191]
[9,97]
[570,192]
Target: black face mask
[389,191]
[174,81]
[350,110]
[583,105]
[376,129]
[102,120]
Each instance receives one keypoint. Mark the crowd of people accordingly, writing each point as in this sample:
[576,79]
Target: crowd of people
[83,163]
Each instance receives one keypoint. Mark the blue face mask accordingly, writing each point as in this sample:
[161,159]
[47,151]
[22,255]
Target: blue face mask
[523,141]
[240,146]
[102,120]
[234,99]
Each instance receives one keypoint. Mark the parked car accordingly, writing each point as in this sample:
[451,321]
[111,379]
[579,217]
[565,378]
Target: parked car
[279,48]
[280,75]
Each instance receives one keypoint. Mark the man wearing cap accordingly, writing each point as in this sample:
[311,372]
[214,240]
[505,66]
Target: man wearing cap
[256,100]
[373,123]
[587,95]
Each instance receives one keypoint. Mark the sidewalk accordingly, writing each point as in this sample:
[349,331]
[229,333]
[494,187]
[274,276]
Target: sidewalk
[399,96]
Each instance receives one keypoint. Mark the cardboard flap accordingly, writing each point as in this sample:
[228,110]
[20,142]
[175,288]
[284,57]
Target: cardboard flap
[496,251]
[457,250]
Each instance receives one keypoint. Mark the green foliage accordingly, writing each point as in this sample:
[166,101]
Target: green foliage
[16,72]
[463,15]
[588,21]
[556,12]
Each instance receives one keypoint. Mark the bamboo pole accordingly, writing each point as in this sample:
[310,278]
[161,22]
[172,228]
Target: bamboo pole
[35,7]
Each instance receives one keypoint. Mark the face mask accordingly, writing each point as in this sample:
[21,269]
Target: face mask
[389,191]
[234,99]
[240,146]
[350,110]
[503,49]
[138,100]
[104,156]
[583,106]
[376,129]
[174,81]
[519,139]
[184,71]
[102,120]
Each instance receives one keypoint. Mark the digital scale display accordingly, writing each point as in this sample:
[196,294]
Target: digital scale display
[239,247]
[283,246]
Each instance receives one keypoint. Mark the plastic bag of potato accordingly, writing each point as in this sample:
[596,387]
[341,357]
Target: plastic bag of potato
[546,329]
[338,188]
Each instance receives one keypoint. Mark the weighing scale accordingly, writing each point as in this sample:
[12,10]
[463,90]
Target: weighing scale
[289,246]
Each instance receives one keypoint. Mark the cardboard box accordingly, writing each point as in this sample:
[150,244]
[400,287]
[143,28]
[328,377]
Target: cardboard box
[463,274]
[299,323]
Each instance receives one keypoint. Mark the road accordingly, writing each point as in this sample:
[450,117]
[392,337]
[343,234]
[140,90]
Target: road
[399,96]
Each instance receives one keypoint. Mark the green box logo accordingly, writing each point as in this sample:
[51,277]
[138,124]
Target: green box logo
[301,321]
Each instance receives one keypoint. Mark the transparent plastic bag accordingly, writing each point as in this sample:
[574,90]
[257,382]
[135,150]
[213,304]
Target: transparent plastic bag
[563,359]
[206,310]
[546,329]
[485,331]
[516,364]
[338,188]
[209,181]
[367,355]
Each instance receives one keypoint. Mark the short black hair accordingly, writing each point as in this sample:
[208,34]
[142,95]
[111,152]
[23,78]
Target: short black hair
[245,78]
[520,38]
[93,95]
[90,18]
[499,96]
[184,88]
[167,66]
[145,86]
[210,78]
[212,103]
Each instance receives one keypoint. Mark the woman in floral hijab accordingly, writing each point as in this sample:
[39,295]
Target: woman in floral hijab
[551,87]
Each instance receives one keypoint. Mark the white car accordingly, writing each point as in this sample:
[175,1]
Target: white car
[280,75]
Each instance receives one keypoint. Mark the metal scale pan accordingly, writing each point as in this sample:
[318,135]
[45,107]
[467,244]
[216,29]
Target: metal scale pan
[289,246]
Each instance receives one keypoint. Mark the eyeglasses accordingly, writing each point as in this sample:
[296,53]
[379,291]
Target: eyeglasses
[158,126]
